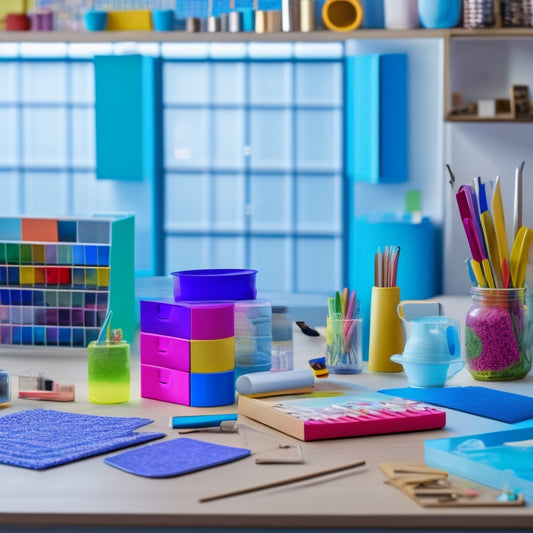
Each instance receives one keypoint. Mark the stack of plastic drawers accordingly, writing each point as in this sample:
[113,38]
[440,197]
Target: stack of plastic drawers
[188,344]
[188,352]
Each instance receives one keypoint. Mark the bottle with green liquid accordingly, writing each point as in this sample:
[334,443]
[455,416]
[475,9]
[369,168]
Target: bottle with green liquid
[109,367]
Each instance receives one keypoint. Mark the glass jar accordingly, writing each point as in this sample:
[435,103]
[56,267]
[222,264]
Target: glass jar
[253,336]
[498,334]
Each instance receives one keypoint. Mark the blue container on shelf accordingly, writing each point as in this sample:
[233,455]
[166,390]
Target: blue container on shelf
[163,19]
[373,13]
[95,20]
[440,13]
[214,284]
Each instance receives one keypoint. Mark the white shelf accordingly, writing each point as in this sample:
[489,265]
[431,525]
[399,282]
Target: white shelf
[183,36]
[314,36]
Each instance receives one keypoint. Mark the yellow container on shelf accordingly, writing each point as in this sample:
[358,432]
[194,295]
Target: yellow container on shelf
[134,20]
[342,15]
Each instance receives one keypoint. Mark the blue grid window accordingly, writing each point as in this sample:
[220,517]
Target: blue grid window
[263,135]
[252,162]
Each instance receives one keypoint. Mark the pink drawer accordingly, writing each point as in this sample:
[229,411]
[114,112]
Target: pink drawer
[165,384]
[165,351]
[209,356]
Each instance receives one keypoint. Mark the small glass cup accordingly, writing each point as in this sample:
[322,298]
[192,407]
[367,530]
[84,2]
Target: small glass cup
[343,345]
[109,372]
[498,341]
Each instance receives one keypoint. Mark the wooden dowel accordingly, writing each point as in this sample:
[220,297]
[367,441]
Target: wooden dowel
[281,482]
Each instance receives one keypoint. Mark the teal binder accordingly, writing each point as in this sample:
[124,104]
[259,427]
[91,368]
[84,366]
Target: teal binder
[127,125]
[376,118]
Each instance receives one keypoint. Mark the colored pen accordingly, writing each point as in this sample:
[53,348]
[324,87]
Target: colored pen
[517,215]
[60,393]
[200,421]
[501,236]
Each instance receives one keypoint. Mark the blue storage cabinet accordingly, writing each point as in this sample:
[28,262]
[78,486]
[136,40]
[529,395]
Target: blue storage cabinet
[419,265]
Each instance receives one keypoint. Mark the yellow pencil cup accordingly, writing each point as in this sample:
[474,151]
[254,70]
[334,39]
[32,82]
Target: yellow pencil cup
[386,334]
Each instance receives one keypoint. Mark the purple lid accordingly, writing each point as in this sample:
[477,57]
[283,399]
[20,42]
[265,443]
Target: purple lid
[214,284]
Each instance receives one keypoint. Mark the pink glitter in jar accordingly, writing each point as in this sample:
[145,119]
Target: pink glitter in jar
[497,340]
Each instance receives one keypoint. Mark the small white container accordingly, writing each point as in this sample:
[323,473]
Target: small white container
[282,343]
[401,14]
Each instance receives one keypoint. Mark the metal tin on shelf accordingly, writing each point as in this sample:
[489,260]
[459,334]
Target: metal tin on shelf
[213,24]
[527,12]
[478,13]
[512,13]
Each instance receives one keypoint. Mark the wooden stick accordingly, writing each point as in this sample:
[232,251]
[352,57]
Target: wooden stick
[280,482]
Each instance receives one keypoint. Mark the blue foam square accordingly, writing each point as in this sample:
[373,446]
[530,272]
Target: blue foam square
[175,457]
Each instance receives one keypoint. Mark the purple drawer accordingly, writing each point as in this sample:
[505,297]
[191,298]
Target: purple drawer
[188,320]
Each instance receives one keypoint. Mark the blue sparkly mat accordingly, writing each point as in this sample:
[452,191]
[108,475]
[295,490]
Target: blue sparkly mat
[41,438]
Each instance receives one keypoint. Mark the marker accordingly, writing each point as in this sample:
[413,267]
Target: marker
[60,393]
[200,421]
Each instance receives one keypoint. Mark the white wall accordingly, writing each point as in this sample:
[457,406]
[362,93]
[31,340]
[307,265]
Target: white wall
[485,68]
[485,150]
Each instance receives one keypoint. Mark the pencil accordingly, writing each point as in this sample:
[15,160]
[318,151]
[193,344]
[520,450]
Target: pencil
[280,482]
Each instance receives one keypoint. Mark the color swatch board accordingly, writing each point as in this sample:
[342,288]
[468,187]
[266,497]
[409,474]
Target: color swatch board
[335,414]
[59,277]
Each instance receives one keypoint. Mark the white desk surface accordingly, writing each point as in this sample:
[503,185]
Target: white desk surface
[92,494]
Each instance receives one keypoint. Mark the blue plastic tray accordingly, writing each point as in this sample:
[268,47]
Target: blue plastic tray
[488,458]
